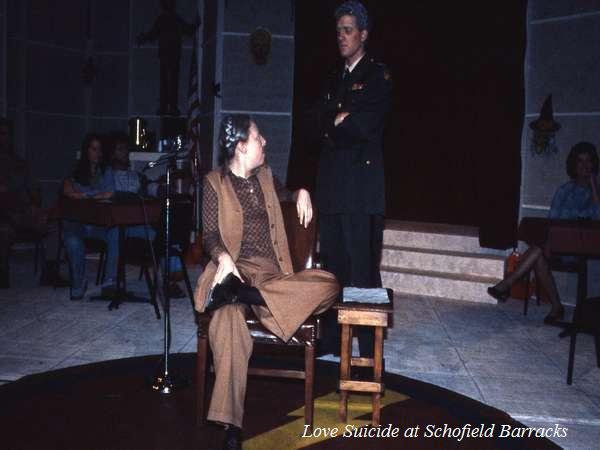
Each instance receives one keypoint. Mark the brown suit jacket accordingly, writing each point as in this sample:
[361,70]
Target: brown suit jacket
[230,218]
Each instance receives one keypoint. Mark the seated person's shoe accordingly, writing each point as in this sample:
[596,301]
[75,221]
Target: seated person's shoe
[499,295]
[51,276]
[233,438]
[175,291]
[555,317]
[108,288]
[78,294]
[224,293]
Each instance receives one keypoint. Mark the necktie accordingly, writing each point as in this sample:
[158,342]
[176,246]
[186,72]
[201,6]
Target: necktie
[346,73]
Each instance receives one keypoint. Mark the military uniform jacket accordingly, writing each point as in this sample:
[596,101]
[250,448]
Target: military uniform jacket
[350,177]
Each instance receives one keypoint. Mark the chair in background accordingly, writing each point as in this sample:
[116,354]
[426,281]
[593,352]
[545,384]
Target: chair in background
[586,319]
[138,252]
[25,236]
[302,243]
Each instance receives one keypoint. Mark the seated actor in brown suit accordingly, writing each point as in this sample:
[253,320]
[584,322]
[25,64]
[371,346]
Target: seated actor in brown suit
[243,231]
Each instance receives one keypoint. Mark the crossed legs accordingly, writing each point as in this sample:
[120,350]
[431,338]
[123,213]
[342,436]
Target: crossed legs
[534,258]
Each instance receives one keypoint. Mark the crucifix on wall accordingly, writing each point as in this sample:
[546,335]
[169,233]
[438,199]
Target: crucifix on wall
[169,29]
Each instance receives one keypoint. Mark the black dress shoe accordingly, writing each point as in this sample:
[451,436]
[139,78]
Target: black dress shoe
[555,317]
[499,295]
[224,293]
[233,438]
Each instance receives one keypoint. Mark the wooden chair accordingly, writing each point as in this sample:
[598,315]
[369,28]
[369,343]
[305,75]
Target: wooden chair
[302,247]
[25,236]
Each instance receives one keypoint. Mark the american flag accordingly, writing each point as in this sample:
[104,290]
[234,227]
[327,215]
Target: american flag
[193,134]
[193,111]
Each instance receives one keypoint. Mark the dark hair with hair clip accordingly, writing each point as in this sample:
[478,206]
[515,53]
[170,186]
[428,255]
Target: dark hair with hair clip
[235,128]
[579,149]
[356,9]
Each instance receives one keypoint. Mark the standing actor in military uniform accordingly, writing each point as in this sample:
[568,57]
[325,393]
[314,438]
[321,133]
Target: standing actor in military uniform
[350,184]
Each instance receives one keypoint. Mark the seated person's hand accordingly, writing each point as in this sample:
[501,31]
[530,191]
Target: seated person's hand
[69,190]
[75,195]
[103,195]
[225,267]
[304,207]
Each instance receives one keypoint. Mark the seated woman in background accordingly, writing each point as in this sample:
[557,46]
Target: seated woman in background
[92,178]
[578,198]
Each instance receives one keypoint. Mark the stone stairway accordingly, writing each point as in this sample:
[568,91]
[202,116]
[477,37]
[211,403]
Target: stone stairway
[439,260]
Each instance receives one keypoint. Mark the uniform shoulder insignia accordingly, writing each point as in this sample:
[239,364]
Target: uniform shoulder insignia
[387,74]
[384,70]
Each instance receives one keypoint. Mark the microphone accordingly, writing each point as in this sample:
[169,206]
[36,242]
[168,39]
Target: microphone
[177,155]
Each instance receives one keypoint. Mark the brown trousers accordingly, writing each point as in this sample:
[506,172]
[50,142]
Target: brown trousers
[290,300]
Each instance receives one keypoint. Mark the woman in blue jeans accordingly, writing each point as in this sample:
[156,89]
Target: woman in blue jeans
[92,178]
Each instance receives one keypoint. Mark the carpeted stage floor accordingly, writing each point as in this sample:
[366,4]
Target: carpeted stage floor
[109,406]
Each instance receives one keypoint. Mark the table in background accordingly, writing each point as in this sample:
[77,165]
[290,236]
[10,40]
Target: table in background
[111,213]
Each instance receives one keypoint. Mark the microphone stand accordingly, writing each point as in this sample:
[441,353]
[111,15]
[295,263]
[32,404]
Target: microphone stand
[163,382]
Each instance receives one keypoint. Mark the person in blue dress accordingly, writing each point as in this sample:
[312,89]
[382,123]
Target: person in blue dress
[92,178]
[576,199]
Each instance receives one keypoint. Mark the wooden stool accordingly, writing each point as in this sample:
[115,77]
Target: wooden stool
[363,314]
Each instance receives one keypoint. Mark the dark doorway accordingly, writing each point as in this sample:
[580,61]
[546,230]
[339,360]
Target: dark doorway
[453,142]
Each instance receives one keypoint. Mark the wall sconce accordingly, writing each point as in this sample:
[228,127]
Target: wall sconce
[544,128]
[260,46]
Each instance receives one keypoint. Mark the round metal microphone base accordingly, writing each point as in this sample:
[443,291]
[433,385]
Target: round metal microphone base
[165,384]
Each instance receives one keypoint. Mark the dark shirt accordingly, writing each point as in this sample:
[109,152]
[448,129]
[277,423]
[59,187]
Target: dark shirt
[256,238]
[350,178]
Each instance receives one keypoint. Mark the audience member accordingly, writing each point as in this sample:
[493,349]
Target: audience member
[576,199]
[92,178]
[24,215]
[131,181]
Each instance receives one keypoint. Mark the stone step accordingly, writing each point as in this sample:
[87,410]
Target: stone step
[431,283]
[435,236]
[466,263]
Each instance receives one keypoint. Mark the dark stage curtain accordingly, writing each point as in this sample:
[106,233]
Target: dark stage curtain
[452,148]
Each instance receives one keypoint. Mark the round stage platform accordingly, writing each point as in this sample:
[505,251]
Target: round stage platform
[109,406]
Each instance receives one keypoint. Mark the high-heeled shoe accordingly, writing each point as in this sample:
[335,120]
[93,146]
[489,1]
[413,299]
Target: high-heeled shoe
[554,317]
[499,295]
